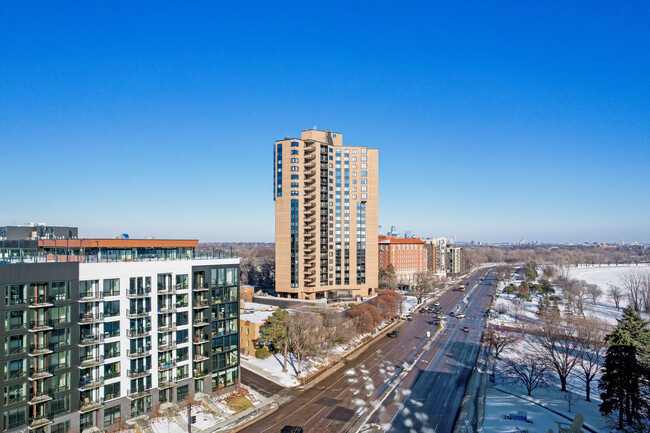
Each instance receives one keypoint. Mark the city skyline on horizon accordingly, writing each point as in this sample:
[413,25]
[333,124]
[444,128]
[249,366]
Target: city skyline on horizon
[161,121]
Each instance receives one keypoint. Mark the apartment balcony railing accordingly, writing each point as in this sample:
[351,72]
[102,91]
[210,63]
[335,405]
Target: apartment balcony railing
[90,339]
[140,312]
[88,405]
[41,301]
[138,332]
[37,373]
[166,365]
[140,292]
[135,394]
[169,290]
[90,383]
[91,296]
[165,384]
[166,309]
[91,317]
[200,357]
[167,327]
[201,339]
[39,421]
[164,346]
[201,288]
[142,352]
[40,349]
[200,303]
[200,322]
[91,361]
[40,325]
[40,396]
[139,372]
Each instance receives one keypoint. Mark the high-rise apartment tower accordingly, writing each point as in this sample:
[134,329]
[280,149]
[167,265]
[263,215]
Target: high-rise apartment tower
[325,217]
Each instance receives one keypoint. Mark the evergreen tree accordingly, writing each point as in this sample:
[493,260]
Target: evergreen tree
[636,331]
[619,382]
[543,306]
[277,332]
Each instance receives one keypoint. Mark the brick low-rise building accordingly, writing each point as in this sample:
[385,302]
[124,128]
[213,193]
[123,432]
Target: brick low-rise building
[407,255]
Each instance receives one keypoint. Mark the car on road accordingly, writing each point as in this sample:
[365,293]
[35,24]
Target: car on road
[460,316]
[465,329]
[437,304]
[393,334]
[291,429]
[434,322]
[408,317]
[451,313]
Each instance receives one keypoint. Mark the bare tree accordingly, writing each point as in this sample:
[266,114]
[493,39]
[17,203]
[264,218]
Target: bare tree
[616,294]
[557,345]
[529,369]
[306,336]
[592,348]
[632,282]
[570,398]
[499,340]
[594,291]
[645,291]
[423,285]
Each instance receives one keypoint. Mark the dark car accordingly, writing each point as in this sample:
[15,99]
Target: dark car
[434,322]
[392,334]
[291,429]
[452,314]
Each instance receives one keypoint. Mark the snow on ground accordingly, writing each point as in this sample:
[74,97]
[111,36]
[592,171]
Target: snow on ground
[271,368]
[498,403]
[205,418]
[165,425]
[408,304]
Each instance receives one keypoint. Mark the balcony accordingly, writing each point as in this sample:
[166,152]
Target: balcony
[165,346]
[140,353]
[140,312]
[87,405]
[167,365]
[90,339]
[201,339]
[41,301]
[200,322]
[91,296]
[40,397]
[138,332]
[140,292]
[167,309]
[90,383]
[167,327]
[167,290]
[200,303]
[137,373]
[40,325]
[136,394]
[165,384]
[200,357]
[201,288]
[39,373]
[91,361]
[40,349]
[39,421]
[91,317]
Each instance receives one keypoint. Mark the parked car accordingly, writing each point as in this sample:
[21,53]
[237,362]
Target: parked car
[291,429]
[393,334]
[465,329]
[437,304]
[408,317]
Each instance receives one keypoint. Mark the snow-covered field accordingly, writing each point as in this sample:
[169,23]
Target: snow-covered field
[271,368]
[604,276]
[550,396]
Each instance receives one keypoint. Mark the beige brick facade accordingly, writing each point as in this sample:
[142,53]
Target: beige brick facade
[331,186]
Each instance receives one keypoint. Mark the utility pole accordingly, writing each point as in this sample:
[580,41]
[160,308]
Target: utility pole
[189,417]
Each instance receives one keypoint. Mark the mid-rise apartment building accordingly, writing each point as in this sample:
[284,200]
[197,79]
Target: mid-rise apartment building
[408,256]
[98,331]
[437,255]
[456,261]
[326,204]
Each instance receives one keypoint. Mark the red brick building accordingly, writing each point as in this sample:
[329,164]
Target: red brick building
[408,256]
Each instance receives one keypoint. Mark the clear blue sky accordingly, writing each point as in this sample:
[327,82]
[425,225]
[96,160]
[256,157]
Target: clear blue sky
[495,120]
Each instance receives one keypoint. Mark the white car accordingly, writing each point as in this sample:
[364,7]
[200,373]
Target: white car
[460,316]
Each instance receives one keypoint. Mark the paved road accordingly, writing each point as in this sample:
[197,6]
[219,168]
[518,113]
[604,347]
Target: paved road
[429,398]
[259,383]
[336,403]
